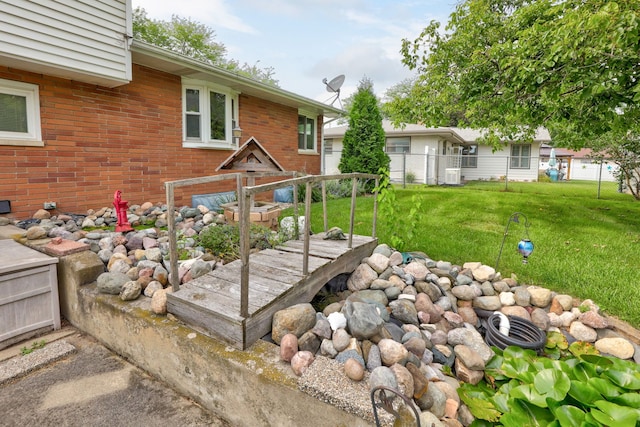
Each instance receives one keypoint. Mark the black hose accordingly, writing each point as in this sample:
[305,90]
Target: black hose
[522,333]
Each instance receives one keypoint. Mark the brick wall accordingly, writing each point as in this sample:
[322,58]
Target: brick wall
[98,140]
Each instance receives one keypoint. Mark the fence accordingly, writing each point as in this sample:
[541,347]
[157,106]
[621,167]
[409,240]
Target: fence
[438,169]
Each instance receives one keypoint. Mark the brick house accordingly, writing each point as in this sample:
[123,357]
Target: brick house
[86,110]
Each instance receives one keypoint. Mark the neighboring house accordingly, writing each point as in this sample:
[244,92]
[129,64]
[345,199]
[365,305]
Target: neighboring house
[85,110]
[579,165]
[444,155]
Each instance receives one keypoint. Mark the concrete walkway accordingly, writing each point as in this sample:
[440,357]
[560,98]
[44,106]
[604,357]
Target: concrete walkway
[75,381]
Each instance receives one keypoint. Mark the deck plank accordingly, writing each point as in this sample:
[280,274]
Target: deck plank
[212,302]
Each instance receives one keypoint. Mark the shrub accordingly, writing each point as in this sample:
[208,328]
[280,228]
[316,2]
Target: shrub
[410,177]
[223,241]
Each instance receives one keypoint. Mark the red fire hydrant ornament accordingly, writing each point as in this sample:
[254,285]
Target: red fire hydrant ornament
[121,210]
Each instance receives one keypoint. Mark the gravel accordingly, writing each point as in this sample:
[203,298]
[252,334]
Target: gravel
[21,365]
[325,380]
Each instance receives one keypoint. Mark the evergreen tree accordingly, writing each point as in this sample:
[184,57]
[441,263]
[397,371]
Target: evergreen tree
[363,143]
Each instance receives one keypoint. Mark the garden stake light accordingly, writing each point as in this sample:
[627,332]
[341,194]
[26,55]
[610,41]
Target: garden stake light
[525,245]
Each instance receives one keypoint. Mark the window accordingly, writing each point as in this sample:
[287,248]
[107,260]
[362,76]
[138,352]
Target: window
[469,156]
[399,144]
[19,114]
[520,156]
[306,132]
[210,114]
[328,146]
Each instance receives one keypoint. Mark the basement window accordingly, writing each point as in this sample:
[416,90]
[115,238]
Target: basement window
[20,114]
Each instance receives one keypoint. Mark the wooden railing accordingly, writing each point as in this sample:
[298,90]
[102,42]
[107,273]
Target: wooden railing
[245,199]
[170,186]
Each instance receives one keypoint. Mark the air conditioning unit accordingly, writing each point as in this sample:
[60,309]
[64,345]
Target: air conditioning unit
[452,176]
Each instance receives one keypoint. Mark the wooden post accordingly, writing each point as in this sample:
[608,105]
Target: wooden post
[174,277]
[296,231]
[375,208]
[354,188]
[324,205]
[307,229]
[245,215]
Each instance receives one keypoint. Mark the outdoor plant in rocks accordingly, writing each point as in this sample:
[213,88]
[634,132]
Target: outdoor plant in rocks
[404,321]
[583,389]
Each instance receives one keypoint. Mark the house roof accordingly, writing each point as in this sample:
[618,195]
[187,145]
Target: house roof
[545,151]
[453,134]
[165,60]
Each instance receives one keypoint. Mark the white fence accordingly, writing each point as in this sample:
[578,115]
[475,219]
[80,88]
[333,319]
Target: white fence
[435,169]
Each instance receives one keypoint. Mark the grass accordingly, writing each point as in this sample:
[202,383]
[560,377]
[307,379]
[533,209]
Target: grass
[585,246]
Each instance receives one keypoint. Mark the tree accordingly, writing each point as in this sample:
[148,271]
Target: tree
[511,66]
[364,141]
[195,40]
[623,150]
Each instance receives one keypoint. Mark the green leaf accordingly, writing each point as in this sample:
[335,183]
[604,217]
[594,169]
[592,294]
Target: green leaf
[626,379]
[528,393]
[584,393]
[569,416]
[583,371]
[631,400]
[605,387]
[478,400]
[524,414]
[613,415]
[552,383]
[579,348]
[519,368]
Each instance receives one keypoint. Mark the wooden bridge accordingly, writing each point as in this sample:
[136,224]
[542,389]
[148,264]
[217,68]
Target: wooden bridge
[236,302]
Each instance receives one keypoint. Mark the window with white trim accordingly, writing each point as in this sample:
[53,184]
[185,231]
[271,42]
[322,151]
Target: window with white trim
[520,156]
[328,146]
[469,157]
[19,114]
[399,144]
[210,113]
[306,132]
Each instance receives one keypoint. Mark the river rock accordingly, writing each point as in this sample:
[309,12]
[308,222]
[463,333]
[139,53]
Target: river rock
[404,311]
[392,352]
[130,291]
[404,379]
[354,369]
[383,376]
[582,332]
[363,320]
[417,270]
[111,283]
[490,303]
[159,301]
[361,278]
[593,319]
[483,273]
[615,346]
[540,297]
[296,319]
[301,361]
[378,262]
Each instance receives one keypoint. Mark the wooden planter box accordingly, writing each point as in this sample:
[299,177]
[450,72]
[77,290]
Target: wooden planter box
[28,293]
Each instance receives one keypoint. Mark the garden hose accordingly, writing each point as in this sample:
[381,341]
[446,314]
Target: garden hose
[522,333]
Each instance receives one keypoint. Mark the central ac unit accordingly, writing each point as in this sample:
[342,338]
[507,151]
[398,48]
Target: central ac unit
[452,176]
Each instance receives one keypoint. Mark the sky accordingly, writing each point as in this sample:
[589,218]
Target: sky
[306,41]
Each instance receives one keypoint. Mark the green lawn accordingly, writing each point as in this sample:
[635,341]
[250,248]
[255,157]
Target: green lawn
[584,246]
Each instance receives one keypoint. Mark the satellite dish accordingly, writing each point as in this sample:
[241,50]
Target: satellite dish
[334,86]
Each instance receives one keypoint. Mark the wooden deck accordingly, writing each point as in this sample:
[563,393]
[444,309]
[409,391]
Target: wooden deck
[212,302]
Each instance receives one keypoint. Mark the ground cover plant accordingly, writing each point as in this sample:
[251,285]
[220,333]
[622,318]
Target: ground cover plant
[585,246]
[580,389]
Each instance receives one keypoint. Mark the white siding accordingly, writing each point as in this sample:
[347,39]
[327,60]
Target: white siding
[84,40]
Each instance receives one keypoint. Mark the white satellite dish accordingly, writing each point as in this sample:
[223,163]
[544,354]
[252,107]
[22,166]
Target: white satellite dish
[334,86]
